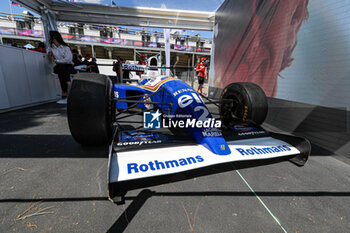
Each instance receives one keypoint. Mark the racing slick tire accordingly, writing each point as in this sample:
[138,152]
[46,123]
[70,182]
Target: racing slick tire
[243,102]
[90,109]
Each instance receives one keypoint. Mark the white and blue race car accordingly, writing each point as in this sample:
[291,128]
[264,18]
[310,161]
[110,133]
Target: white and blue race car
[177,137]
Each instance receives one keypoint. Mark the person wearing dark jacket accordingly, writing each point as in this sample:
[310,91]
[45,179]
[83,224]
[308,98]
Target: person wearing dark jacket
[76,58]
[93,67]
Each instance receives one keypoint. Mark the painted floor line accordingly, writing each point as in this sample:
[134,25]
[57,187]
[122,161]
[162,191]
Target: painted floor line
[256,195]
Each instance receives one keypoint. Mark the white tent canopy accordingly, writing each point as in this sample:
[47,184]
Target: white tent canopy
[127,16]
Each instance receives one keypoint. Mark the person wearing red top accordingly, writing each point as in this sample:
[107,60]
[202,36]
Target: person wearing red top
[201,73]
[40,48]
[142,61]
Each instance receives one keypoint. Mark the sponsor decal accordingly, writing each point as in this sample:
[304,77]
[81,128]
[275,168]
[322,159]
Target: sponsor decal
[138,143]
[182,91]
[247,130]
[116,94]
[186,100]
[263,150]
[138,136]
[133,67]
[245,114]
[151,120]
[241,128]
[162,165]
[251,133]
[212,132]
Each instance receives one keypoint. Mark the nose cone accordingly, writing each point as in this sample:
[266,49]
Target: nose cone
[217,145]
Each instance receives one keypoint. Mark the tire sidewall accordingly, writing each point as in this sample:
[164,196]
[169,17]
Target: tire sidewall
[252,102]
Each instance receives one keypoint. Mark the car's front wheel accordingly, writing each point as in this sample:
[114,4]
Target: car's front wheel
[90,109]
[243,102]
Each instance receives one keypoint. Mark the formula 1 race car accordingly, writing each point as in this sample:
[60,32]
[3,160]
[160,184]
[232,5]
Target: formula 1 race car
[177,136]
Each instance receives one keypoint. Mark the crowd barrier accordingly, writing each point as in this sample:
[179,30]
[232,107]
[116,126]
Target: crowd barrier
[26,79]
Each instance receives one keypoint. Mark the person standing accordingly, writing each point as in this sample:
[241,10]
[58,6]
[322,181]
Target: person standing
[93,67]
[201,73]
[76,59]
[60,53]
[126,73]
[116,68]
[86,59]
[142,61]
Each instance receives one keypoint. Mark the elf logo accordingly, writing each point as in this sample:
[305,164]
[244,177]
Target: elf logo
[186,100]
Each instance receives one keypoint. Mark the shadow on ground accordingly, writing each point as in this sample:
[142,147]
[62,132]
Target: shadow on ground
[137,202]
[47,146]
[28,117]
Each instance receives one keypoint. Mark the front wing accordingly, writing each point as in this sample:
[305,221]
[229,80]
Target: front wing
[152,161]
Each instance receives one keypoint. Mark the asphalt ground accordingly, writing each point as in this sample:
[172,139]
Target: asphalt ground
[49,183]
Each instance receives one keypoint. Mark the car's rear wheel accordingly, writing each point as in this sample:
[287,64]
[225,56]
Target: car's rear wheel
[243,102]
[90,109]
